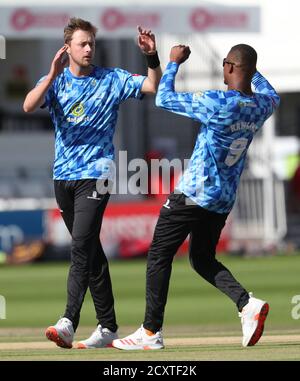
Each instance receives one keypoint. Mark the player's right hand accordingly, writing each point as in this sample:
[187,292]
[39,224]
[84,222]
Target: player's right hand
[59,62]
[146,41]
[180,53]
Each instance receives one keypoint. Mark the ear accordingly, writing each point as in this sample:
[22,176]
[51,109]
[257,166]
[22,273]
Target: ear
[68,48]
[231,69]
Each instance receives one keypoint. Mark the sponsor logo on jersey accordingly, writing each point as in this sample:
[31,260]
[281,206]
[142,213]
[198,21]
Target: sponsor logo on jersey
[197,95]
[78,111]
[247,104]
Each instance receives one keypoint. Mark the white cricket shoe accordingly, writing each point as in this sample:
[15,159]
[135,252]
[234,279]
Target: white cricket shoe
[253,317]
[140,340]
[61,333]
[100,338]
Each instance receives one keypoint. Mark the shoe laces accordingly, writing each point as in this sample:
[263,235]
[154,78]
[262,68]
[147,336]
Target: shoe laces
[138,334]
[65,322]
[99,332]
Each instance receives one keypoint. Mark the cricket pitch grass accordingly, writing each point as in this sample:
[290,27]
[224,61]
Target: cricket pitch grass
[200,323]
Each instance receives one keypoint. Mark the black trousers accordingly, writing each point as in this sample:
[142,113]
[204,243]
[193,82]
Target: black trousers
[178,218]
[82,209]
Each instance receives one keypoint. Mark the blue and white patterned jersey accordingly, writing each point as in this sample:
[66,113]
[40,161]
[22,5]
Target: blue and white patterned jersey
[229,120]
[84,112]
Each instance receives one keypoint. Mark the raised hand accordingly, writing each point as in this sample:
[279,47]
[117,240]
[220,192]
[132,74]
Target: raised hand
[60,61]
[146,41]
[180,53]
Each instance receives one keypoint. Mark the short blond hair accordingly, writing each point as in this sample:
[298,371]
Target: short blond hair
[78,24]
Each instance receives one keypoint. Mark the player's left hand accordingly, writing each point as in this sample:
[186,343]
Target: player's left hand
[146,41]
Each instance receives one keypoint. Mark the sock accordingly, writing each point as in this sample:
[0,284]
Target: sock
[148,332]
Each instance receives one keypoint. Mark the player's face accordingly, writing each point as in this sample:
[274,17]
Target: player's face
[227,66]
[82,48]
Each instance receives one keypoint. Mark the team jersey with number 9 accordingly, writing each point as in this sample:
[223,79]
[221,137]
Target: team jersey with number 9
[229,120]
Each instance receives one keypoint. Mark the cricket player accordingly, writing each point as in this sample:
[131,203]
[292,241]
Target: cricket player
[205,194]
[83,101]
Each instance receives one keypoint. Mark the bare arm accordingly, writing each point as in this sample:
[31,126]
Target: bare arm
[36,97]
[151,83]
[147,44]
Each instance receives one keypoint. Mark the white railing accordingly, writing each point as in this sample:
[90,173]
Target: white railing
[259,215]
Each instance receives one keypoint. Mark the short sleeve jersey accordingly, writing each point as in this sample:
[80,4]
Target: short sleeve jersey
[84,112]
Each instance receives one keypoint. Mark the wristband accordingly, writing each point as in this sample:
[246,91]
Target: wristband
[152,60]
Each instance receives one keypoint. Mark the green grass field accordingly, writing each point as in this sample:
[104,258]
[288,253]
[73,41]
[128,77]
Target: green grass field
[35,298]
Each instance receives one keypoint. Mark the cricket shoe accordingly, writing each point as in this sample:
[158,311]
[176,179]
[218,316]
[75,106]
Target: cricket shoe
[61,333]
[253,317]
[140,340]
[100,338]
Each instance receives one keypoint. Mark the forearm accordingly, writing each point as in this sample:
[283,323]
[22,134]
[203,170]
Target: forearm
[178,103]
[166,90]
[154,76]
[36,97]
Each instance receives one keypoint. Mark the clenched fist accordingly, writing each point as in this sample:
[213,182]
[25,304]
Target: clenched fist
[179,53]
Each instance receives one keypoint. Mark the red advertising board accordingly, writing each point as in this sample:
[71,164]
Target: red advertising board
[121,21]
[127,229]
